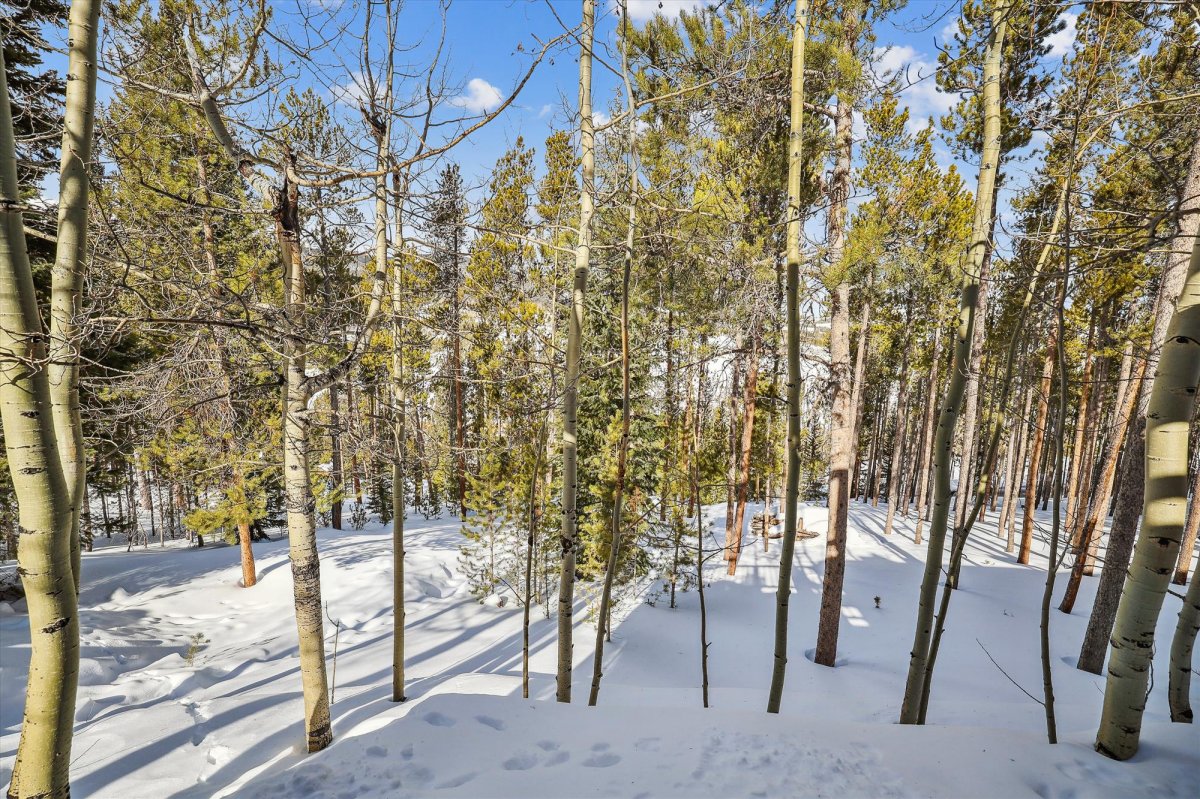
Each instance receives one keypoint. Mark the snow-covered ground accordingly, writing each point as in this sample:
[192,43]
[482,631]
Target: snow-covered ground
[189,684]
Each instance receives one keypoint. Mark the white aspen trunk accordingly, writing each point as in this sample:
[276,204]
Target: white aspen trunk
[915,688]
[1182,644]
[70,255]
[1188,545]
[302,532]
[570,402]
[791,498]
[604,616]
[1164,510]
[44,554]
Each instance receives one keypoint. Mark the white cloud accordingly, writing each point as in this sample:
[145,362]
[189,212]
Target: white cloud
[914,73]
[643,10]
[1062,41]
[600,118]
[479,98]
[354,93]
[545,111]
[946,34]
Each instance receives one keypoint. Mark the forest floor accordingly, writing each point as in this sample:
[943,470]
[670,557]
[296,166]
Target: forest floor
[189,684]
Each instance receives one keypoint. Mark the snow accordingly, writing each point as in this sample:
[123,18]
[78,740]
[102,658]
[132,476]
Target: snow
[189,684]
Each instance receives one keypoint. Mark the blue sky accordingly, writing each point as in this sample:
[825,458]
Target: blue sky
[484,62]
[488,46]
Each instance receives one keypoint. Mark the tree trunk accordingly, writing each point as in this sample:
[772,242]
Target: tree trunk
[841,444]
[1035,455]
[1093,526]
[399,421]
[1188,545]
[302,532]
[336,478]
[915,687]
[1164,508]
[249,575]
[1013,495]
[731,537]
[858,391]
[1131,478]
[70,256]
[897,444]
[45,551]
[927,432]
[970,415]
[1076,477]
[1184,640]
[604,618]
[743,483]
[570,403]
[783,590]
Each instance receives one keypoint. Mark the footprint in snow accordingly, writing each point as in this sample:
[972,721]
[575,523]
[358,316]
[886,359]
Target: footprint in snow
[521,762]
[558,758]
[377,751]
[439,720]
[488,721]
[602,760]
[547,746]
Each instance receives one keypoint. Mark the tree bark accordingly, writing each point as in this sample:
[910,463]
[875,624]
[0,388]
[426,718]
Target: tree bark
[858,391]
[604,617]
[927,432]
[731,539]
[1182,644]
[783,590]
[1035,454]
[569,539]
[70,256]
[1093,526]
[1128,508]
[1164,508]
[897,444]
[841,444]
[44,552]
[302,533]
[915,688]
[743,483]
[1188,545]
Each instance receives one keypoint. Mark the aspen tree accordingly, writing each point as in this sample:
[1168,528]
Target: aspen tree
[1188,545]
[914,692]
[1164,510]
[604,622]
[44,554]
[1182,643]
[570,402]
[1129,500]
[792,486]
[70,255]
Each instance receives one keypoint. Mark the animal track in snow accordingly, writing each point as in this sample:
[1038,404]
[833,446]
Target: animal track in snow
[522,761]
[602,760]
[438,719]
[488,721]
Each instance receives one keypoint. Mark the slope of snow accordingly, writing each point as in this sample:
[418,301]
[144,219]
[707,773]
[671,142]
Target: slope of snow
[189,684]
